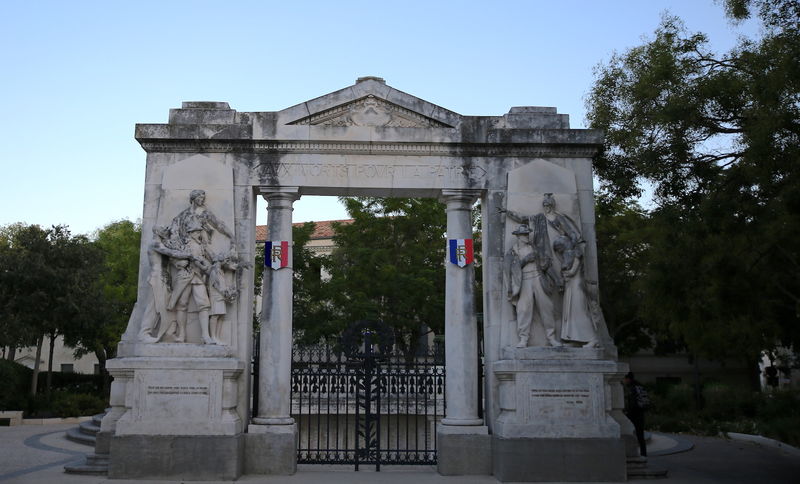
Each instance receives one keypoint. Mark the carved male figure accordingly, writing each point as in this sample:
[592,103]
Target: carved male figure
[530,287]
[156,313]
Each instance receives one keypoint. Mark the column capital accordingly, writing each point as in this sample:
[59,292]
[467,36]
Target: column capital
[464,197]
[279,193]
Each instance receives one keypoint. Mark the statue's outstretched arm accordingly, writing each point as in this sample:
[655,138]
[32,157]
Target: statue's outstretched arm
[219,225]
[517,217]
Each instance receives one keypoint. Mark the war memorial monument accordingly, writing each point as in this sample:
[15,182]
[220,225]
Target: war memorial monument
[182,391]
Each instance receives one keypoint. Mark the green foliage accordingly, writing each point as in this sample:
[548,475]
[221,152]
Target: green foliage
[727,409]
[313,314]
[55,283]
[717,140]
[622,247]
[76,404]
[15,379]
[114,293]
[389,266]
[723,402]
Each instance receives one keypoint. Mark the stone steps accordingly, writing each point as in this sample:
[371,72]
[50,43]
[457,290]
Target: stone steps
[639,468]
[76,435]
[85,433]
[95,465]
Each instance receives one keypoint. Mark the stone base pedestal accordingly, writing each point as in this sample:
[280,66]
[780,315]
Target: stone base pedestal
[271,449]
[463,450]
[186,457]
[556,420]
[179,418]
[558,460]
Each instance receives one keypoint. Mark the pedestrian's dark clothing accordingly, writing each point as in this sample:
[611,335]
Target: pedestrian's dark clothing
[635,413]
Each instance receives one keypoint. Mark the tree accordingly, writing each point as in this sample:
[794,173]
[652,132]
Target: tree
[47,280]
[717,138]
[113,295]
[389,266]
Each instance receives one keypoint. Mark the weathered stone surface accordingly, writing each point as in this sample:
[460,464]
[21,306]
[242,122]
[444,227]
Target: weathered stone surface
[271,449]
[463,451]
[190,457]
[178,396]
[558,460]
[367,139]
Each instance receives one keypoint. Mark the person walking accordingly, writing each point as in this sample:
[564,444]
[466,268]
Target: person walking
[636,402]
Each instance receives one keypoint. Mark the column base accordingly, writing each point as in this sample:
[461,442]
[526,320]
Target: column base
[558,460]
[462,422]
[273,421]
[184,457]
[271,449]
[463,450]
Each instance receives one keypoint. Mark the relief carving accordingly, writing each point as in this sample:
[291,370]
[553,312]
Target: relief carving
[371,111]
[187,276]
[541,274]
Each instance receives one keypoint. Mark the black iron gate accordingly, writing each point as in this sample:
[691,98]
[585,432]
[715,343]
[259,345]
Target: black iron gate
[363,403]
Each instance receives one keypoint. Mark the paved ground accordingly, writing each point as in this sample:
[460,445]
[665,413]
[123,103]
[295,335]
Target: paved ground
[37,454]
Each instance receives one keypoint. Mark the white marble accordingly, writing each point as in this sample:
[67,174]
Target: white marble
[276,317]
[557,398]
[177,396]
[460,324]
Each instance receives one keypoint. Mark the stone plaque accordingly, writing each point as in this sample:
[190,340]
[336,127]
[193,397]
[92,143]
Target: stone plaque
[179,396]
[561,403]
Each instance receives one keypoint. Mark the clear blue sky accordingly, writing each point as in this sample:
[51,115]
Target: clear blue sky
[78,75]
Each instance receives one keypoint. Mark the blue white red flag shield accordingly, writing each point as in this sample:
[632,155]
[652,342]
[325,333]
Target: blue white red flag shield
[460,252]
[276,254]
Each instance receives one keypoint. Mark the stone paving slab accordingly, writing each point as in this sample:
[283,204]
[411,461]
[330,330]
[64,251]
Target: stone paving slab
[37,454]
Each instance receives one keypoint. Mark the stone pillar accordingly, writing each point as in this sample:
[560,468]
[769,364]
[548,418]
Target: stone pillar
[461,432]
[272,435]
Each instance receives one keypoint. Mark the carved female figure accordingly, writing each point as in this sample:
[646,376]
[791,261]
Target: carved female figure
[576,323]
[220,293]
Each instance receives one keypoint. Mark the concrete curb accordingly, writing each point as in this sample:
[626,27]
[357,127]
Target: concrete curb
[760,439]
[679,445]
[50,421]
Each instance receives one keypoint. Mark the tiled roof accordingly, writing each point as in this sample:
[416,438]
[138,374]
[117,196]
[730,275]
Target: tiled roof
[322,230]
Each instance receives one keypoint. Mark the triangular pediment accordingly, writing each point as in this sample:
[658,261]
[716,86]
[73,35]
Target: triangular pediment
[370,103]
[371,111]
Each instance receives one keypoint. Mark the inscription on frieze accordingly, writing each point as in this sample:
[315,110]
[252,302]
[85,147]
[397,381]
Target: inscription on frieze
[371,171]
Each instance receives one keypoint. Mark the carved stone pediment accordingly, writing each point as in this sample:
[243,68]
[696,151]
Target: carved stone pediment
[371,111]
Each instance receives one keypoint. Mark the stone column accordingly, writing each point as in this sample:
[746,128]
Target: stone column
[461,432]
[273,430]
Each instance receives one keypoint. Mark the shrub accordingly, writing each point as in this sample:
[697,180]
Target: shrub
[76,405]
[678,398]
[15,380]
[72,382]
[722,402]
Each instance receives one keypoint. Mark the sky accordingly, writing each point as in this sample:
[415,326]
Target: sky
[77,76]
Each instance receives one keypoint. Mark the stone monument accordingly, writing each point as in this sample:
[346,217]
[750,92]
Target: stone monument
[180,400]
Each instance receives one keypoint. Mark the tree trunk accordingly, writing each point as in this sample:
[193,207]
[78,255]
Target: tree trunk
[12,353]
[50,365]
[35,377]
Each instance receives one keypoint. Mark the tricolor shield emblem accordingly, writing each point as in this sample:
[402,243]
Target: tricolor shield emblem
[460,251]
[276,254]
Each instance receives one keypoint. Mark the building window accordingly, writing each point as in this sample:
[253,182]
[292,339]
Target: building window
[67,368]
